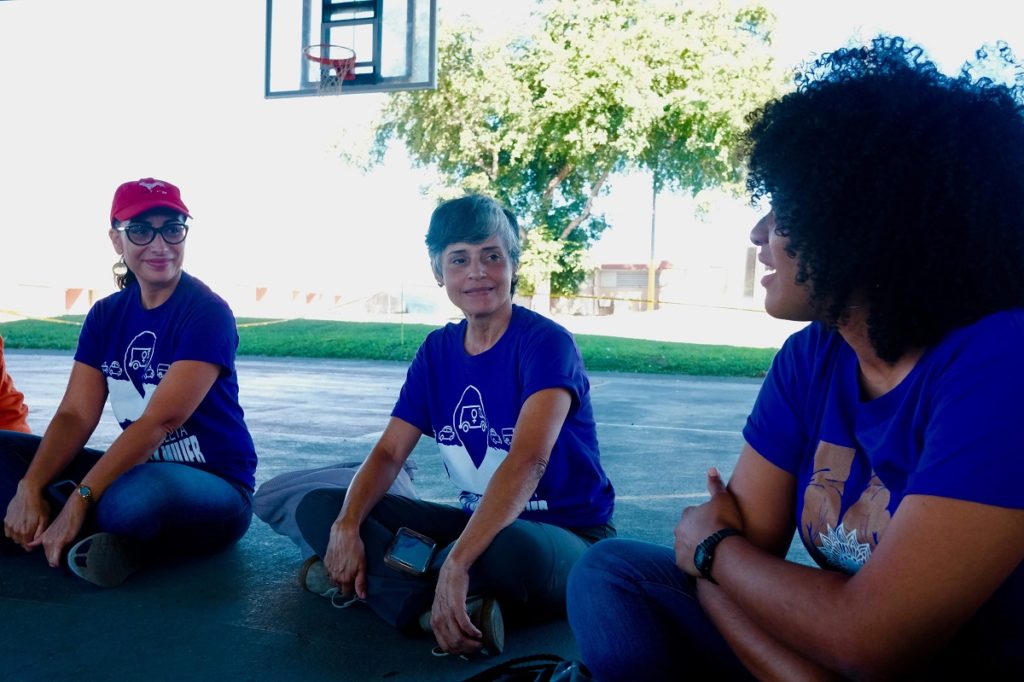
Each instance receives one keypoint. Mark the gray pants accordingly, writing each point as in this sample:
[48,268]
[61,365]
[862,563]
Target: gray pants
[526,567]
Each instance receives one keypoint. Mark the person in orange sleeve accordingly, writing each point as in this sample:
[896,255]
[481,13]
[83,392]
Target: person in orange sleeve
[13,411]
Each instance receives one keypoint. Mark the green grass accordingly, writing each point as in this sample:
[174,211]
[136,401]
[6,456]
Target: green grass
[323,339]
[609,353]
[43,334]
[390,341]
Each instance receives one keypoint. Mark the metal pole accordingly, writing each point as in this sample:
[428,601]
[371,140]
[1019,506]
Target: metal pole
[652,293]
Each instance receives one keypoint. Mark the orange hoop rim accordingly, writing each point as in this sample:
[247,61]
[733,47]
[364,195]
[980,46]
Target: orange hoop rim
[343,66]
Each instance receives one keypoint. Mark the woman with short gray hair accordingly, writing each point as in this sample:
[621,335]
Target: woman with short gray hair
[473,219]
[506,398]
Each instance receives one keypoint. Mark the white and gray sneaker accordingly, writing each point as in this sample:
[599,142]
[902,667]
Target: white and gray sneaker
[104,559]
[313,578]
[485,614]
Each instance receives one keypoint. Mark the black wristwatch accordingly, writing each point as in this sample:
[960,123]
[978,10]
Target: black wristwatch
[704,555]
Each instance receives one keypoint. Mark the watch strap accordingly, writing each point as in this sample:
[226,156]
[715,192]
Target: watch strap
[708,545]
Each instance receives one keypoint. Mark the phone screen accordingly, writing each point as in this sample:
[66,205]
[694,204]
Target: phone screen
[61,491]
[411,551]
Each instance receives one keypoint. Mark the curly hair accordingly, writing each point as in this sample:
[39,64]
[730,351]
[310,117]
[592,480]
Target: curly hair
[899,188]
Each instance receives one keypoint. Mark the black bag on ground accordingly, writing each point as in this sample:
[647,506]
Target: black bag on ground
[535,668]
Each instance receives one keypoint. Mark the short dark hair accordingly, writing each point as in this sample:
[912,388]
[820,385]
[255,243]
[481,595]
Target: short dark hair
[472,219]
[898,187]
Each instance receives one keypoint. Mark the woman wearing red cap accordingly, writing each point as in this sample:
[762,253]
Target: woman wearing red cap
[179,478]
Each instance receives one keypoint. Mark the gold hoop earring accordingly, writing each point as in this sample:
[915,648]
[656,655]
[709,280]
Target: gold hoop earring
[120,269]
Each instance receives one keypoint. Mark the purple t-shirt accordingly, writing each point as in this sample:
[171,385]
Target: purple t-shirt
[135,347]
[949,429]
[470,405]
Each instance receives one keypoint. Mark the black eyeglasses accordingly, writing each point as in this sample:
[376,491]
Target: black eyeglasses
[141,234]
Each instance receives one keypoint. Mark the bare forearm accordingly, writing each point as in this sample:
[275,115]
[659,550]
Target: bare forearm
[762,654]
[784,598]
[64,438]
[822,615]
[504,500]
[368,486]
[134,446]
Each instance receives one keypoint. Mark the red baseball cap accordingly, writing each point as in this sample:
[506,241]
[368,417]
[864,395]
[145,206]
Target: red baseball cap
[139,196]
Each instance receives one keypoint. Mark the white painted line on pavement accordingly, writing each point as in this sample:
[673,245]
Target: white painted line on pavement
[666,428]
[667,496]
[303,437]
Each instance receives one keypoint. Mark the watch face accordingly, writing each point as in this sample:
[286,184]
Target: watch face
[700,558]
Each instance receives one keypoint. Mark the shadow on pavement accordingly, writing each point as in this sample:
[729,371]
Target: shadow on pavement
[241,614]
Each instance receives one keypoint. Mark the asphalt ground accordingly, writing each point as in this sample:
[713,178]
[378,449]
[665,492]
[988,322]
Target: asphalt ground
[241,614]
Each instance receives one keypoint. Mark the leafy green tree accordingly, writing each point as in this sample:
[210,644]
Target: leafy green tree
[542,121]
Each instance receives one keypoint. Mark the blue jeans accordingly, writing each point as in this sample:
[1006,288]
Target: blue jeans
[526,566]
[636,617]
[167,507]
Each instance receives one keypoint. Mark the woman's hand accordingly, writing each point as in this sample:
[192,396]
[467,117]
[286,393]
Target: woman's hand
[449,621]
[64,529]
[346,561]
[28,515]
[696,523]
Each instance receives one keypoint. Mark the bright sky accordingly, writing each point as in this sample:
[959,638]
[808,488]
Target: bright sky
[100,91]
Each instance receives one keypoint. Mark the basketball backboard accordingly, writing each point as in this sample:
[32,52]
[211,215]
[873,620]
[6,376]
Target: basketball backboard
[394,41]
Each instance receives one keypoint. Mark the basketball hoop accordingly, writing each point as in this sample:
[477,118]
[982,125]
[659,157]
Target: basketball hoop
[337,65]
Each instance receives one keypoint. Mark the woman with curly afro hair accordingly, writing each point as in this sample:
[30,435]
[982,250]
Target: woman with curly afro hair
[886,433]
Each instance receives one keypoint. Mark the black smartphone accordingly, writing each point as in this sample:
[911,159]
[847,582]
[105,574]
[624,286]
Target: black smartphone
[60,491]
[410,552]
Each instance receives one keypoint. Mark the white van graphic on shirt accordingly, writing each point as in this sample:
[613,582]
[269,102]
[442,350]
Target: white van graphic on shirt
[136,360]
[472,448]
[131,382]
